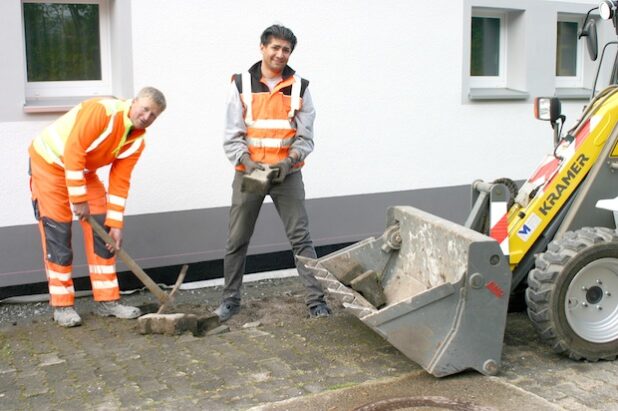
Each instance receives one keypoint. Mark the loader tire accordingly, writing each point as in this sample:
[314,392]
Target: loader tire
[572,294]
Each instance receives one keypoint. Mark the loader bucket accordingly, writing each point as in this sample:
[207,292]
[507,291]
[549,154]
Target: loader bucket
[435,290]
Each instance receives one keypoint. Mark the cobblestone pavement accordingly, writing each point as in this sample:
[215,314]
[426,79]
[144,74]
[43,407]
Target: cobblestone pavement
[286,362]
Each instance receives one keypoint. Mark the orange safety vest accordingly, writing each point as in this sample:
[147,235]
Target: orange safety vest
[269,114]
[93,134]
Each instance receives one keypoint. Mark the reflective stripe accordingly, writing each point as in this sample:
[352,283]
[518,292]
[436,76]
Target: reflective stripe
[105,284]
[102,269]
[58,290]
[116,200]
[104,134]
[114,215]
[52,139]
[270,124]
[247,96]
[295,96]
[59,276]
[77,191]
[270,142]
[46,152]
[134,147]
[57,145]
[74,174]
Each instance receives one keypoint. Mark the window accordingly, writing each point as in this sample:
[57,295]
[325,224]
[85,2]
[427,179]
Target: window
[569,59]
[485,58]
[66,48]
[517,49]
[488,50]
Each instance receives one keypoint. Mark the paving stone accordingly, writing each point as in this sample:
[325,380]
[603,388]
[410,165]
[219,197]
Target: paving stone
[50,359]
[64,390]
[42,403]
[159,396]
[8,398]
[369,286]
[6,371]
[33,389]
[211,404]
[189,338]
[149,385]
[346,271]
[110,404]
[313,388]
[218,330]
[252,324]
[168,324]
[277,367]
[108,364]
[207,322]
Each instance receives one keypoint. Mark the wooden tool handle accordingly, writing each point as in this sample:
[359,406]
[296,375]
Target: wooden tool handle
[179,280]
[130,262]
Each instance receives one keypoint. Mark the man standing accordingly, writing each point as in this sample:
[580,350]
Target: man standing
[269,120]
[63,163]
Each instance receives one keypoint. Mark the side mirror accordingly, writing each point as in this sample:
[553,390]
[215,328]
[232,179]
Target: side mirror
[547,109]
[590,32]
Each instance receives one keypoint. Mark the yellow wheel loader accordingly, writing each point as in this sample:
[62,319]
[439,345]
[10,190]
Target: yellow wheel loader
[439,291]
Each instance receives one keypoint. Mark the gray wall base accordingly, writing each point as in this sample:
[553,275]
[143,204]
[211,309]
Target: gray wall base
[189,236]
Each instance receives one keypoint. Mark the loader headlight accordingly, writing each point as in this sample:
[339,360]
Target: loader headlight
[607,9]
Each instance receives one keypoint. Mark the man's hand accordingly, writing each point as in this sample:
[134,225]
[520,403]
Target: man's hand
[284,168]
[249,164]
[81,210]
[116,234]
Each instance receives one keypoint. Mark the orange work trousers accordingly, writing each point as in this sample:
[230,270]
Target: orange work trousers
[50,199]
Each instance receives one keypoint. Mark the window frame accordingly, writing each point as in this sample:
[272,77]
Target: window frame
[499,81]
[58,89]
[576,81]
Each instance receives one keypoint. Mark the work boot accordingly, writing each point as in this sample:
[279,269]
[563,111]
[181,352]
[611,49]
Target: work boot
[67,317]
[320,310]
[115,309]
[226,310]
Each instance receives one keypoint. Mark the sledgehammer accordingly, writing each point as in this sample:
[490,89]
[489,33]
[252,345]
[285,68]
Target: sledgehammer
[164,298]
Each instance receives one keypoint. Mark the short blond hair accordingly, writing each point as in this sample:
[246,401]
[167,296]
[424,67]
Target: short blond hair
[155,95]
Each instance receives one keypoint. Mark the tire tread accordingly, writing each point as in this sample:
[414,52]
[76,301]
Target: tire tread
[542,287]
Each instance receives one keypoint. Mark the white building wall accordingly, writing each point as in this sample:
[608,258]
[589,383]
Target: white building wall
[387,78]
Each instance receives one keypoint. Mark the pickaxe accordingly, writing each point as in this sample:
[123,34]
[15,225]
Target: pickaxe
[162,296]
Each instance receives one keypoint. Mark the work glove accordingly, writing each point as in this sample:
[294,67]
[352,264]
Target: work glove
[250,165]
[284,168]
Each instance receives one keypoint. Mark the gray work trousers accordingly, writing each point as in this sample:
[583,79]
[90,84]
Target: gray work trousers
[289,200]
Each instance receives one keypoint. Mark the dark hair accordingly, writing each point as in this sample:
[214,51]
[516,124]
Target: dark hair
[278,32]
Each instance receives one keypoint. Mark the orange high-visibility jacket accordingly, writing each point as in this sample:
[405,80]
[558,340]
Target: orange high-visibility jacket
[95,133]
[269,114]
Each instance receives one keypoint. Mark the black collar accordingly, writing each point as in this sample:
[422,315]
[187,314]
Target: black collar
[256,71]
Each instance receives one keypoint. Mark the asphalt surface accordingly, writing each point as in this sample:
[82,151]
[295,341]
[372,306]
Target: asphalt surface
[272,357]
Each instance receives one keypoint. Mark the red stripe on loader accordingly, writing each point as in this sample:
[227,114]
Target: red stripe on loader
[500,231]
[495,289]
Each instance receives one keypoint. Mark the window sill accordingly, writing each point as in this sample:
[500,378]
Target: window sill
[573,93]
[53,104]
[496,94]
